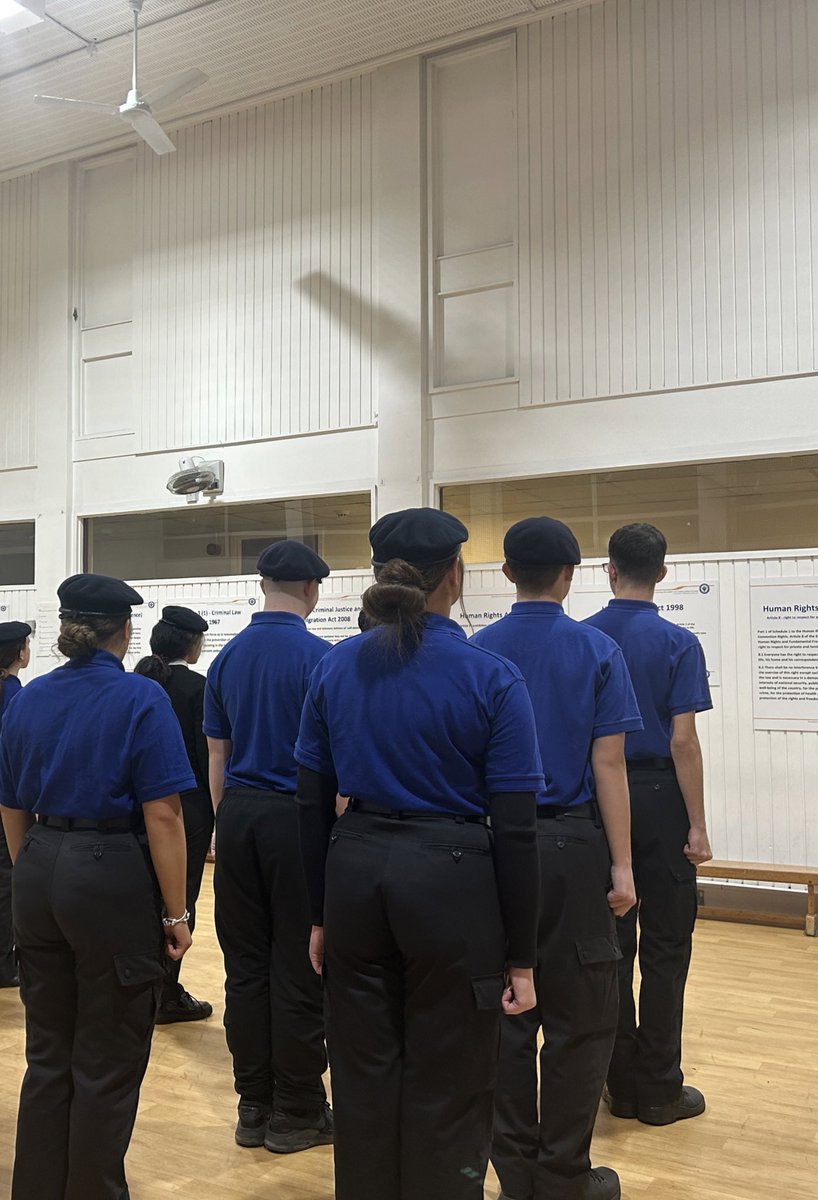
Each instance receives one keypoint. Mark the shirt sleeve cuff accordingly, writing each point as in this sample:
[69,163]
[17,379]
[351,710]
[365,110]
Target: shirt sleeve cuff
[305,758]
[184,783]
[515,783]
[626,726]
[212,731]
[694,706]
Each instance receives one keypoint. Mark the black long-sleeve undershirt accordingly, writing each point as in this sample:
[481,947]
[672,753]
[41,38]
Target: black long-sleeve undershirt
[516,863]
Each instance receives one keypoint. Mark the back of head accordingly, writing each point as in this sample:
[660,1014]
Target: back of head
[537,550]
[412,552]
[172,639]
[13,638]
[93,610]
[638,553]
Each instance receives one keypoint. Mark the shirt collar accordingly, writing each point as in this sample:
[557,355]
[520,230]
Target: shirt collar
[100,658]
[633,605]
[444,624]
[550,608]
[277,618]
[178,662]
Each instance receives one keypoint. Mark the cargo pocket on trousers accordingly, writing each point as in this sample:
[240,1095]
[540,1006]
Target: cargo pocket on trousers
[683,913]
[598,1010]
[139,970]
[484,1051]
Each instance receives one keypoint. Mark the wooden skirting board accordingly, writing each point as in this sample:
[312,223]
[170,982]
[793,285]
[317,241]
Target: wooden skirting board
[763,873]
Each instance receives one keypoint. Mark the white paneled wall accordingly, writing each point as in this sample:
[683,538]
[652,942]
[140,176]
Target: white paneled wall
[18,326]
[669,195]
[254,273]
[761,787]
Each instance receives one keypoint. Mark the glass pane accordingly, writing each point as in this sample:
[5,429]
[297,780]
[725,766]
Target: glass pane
[17,554]
[718,507]
[206,541]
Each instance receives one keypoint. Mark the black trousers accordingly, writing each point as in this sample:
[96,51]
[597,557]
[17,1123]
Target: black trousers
[274,1015]
[415,951]
[89,940]
[197,810]
[547,1156]
[646,1064]
[7,967]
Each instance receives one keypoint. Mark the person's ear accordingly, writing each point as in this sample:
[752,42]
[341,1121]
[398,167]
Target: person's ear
[662,573]
[506,569]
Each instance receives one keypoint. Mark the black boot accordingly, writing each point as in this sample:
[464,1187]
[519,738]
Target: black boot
[287,1134]
[252,1124]
[689,1104]
[183,1008]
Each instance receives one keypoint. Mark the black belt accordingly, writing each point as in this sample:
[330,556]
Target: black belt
[650,764]
[588,810]
[237,789]
[408,815]
[76,824]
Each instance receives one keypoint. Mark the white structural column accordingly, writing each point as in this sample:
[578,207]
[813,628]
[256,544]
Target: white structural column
[56,541]
[399,249]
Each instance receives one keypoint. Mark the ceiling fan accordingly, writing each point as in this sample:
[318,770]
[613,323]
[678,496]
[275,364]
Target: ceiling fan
[137,109]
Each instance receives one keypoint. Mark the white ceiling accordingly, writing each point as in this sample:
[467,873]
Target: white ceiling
[249,48]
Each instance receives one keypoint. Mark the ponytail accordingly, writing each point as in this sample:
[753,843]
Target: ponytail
[396,602]
[154,667]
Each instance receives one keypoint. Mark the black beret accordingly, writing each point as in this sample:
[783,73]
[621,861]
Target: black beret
[290,561]
[97,596]
[13,631]
[185,619]
[541,542]
[420,536]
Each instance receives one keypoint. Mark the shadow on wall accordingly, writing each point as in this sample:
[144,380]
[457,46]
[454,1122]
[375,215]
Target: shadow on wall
[384,331]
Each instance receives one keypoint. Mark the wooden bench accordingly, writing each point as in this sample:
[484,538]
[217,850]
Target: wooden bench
[763,873]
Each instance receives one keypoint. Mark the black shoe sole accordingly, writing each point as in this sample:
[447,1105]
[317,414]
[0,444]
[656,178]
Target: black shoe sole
[181,1018]
[251,1139]
[298,1140]
[660,1116]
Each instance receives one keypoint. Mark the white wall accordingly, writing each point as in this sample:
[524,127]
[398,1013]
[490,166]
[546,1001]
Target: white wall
[586,244]
[18,319]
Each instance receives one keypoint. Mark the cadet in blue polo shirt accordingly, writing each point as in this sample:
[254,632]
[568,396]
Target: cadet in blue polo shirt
[584,705]
[665,773]
[97,756]
[274,1006]
[430,928]
[15,655]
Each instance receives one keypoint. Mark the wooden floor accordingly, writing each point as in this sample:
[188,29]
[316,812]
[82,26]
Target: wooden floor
[751,1046]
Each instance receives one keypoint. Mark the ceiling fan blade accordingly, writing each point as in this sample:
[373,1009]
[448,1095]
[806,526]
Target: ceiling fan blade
[150,131]
[175,88]
[87,105]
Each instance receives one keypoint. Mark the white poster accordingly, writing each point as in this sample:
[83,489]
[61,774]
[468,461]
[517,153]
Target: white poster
[784,619]
[225,619]
[482,608]
[694,606]
[335,618]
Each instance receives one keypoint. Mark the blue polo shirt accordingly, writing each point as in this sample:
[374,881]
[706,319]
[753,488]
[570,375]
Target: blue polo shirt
[438,731]
[667,668]
[255,692]
[579,688]
[92,741]
[11,688]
